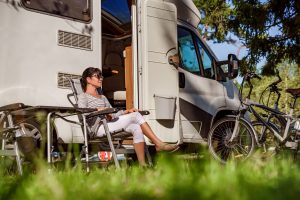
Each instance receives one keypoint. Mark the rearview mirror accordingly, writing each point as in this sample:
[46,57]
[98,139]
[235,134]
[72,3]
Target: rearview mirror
[233,66]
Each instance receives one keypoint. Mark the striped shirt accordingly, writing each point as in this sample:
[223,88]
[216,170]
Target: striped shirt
[86,100]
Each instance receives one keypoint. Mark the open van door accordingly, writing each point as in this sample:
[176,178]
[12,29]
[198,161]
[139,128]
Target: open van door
[158,80]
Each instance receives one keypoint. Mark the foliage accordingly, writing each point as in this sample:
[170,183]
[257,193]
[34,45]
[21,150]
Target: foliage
[267,28]
[214,15]
[173,177]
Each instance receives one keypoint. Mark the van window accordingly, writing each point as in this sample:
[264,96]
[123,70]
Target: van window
[187,51]
[77,9]
[119,9]
[207,63]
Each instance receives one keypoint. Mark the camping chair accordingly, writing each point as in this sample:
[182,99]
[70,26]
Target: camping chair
[114,139]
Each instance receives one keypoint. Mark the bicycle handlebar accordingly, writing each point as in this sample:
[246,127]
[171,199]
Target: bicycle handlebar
[277,81]
[273,88]
[250,75]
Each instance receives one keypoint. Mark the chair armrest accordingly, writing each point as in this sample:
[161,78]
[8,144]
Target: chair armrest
[102,112]
[86,110]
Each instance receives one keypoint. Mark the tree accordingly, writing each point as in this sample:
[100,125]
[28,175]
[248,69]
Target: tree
[215,14]
[269,28]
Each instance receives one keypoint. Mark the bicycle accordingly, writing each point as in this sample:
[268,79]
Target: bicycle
[265,138]
[285,132]
[235,137]
[280,130]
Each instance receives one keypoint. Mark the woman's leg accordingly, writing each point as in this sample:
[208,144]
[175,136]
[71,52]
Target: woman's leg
[138,137]
[138,142]
[159,145]
[122,122]
[140,152]
[136,118]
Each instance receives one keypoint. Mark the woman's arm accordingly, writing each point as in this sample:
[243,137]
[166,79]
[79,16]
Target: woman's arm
[130,110]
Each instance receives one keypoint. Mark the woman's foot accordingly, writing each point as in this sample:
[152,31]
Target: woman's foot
[167,147]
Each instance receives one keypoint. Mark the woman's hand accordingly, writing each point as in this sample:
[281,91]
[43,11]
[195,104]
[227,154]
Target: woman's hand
[101,108]
[108,117]
[131,110]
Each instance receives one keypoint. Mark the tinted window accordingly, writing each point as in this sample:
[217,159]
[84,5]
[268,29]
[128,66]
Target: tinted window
[75,9]
[206,61]
[118,9]
[187,51]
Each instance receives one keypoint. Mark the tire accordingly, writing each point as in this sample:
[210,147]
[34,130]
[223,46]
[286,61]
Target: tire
[269,143]
[218,140]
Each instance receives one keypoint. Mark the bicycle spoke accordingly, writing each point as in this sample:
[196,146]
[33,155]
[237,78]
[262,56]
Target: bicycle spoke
[239,154]
[242,149]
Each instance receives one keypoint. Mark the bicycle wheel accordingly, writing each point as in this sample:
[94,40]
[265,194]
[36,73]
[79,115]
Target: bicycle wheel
[266,138]
[222,149]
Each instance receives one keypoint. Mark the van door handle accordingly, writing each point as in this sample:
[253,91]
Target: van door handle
[181,80]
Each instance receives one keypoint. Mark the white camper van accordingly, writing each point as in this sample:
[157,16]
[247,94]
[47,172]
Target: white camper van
[44,42]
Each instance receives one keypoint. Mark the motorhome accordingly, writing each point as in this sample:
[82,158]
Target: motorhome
[161,62]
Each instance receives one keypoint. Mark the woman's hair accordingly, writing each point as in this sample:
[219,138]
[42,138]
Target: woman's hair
[89,72]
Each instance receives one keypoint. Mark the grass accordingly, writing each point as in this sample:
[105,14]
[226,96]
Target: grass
[173,177]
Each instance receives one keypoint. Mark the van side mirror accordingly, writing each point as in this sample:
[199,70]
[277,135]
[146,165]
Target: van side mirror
[233,66]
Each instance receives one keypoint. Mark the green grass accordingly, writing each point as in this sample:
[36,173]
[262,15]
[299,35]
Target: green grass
[172,178]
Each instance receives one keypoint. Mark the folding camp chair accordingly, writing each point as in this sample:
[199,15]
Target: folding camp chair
[114,139]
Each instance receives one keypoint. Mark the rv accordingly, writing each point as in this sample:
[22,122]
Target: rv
[153,47]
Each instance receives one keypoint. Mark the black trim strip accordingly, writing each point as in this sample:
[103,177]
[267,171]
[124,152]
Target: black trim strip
[194,113]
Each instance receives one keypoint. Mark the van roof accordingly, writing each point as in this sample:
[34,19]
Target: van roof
[188,13]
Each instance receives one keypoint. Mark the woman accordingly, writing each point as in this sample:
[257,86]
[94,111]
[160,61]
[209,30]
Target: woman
[130,120]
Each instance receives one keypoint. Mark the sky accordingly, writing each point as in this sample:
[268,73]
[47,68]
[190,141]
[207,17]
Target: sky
[222,50]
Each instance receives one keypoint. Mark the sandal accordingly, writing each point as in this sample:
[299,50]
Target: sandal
[167,147]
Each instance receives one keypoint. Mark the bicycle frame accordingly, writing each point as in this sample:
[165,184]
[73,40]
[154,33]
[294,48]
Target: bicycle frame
[247,105]
[288,117]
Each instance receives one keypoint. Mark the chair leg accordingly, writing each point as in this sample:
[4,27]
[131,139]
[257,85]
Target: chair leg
[148,156]
[18,158]
[86,148]
[111,145]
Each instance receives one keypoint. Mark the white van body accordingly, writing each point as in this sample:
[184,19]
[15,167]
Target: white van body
[40,50]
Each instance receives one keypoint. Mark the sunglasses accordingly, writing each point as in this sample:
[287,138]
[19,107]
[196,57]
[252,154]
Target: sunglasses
[98,76]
